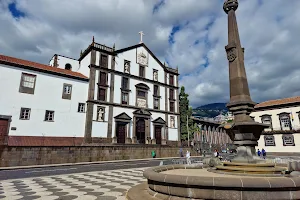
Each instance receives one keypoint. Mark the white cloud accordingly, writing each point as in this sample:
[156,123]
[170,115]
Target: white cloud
[269,31]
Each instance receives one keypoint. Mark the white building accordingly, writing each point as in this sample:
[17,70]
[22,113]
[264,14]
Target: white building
[283,116]
[118,96]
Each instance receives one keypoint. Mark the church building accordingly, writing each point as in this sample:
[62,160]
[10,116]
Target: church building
[124,96]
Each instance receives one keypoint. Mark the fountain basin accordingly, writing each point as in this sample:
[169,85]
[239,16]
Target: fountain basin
[185,182]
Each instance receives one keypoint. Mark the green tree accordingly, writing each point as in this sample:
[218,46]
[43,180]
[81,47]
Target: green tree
[185,112]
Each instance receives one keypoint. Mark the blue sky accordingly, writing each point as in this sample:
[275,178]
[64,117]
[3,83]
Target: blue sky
[190,34]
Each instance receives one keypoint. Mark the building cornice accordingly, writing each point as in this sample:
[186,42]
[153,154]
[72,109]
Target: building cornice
[130,106]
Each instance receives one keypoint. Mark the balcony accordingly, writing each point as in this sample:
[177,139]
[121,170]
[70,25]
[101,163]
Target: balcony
[277,130]
[103,47]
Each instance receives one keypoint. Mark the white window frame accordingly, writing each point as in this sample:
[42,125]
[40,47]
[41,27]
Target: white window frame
[28,80]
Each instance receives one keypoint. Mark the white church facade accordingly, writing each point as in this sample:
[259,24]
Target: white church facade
[124,96]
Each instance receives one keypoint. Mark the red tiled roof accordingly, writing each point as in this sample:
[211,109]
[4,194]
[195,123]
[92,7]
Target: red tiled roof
[43,141]
[277,102]
[40,66]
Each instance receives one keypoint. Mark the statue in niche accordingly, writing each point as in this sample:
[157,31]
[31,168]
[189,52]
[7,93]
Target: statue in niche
[155,75]
[126,66]
[172,124]
[100,116]
[142,59]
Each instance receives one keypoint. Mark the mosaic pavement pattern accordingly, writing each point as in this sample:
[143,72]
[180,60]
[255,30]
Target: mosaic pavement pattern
[102,185]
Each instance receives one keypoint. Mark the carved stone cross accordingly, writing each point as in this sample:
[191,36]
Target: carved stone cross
[141,34]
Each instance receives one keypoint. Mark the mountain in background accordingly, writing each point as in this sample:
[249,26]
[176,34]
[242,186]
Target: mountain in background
[210,110]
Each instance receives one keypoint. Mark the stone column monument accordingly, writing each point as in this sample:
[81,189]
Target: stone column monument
[244,131]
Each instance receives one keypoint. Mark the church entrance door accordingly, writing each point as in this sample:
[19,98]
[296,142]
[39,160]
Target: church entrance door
[158,134]
[121,133]
[140,130]
[3,130]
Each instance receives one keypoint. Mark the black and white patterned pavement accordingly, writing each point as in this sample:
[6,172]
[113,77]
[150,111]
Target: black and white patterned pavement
[97,185]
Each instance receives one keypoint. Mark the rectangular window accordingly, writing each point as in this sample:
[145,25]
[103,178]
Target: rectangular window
[141,93]
[125,84]
[25,113]
[81,107]
[49,116]
[27,84]
[269,140]
[171,94]
[288,140]
[102,94]
[171,80]
[103,61]
[124,98]
[67,91]
[155,92]
[172,106]
[103,79]
[156,103]
[142,71]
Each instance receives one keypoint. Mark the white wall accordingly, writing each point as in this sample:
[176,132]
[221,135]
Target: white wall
[275,117]
[134,67]
[276,126]
[62,61]
[173,132]
[279,144]
[83,65]
[99,129]
[47,96]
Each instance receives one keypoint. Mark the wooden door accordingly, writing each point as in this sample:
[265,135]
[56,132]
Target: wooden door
[121,133]
[3,130]
[158,134]
[140,131]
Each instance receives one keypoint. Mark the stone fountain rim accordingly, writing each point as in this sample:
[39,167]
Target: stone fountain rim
[234,183]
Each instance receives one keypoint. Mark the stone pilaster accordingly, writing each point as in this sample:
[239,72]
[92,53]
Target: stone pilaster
[90,105]
[178,111]
[111,98]
[147,131]
[128,139]
[166,106]
[134,130]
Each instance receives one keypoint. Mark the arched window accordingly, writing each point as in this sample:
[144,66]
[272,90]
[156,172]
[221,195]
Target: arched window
[285,121]
[68,66]
[267,119]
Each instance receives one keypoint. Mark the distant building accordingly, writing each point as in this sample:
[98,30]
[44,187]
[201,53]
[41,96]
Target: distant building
[283,118]
[115,96]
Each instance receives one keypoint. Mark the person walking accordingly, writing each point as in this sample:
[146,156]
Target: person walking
[216,153]
[263,153]
[258,153]
[153,154]
[180,152]
[188,158]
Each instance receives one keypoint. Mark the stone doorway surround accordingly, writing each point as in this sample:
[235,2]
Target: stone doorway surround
[124,119]
[159,122]
[141,113]
[5,121]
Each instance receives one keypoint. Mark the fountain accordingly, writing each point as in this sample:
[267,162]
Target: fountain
[246,176]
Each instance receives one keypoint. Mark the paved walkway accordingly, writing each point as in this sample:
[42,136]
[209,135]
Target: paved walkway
[104,185]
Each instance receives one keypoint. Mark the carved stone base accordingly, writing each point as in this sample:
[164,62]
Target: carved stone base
[153,141]
[128,141]
[163,142]
[133,140]
[148,140]
[114,140]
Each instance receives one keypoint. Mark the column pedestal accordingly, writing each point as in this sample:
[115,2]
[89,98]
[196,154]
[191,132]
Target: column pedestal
[128,141]
[114,140]
[153,141]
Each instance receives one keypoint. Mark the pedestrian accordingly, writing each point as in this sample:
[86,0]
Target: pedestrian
[180,152]
[264,153]
[258,153]
[153,154]
[216,153]
[188,158]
